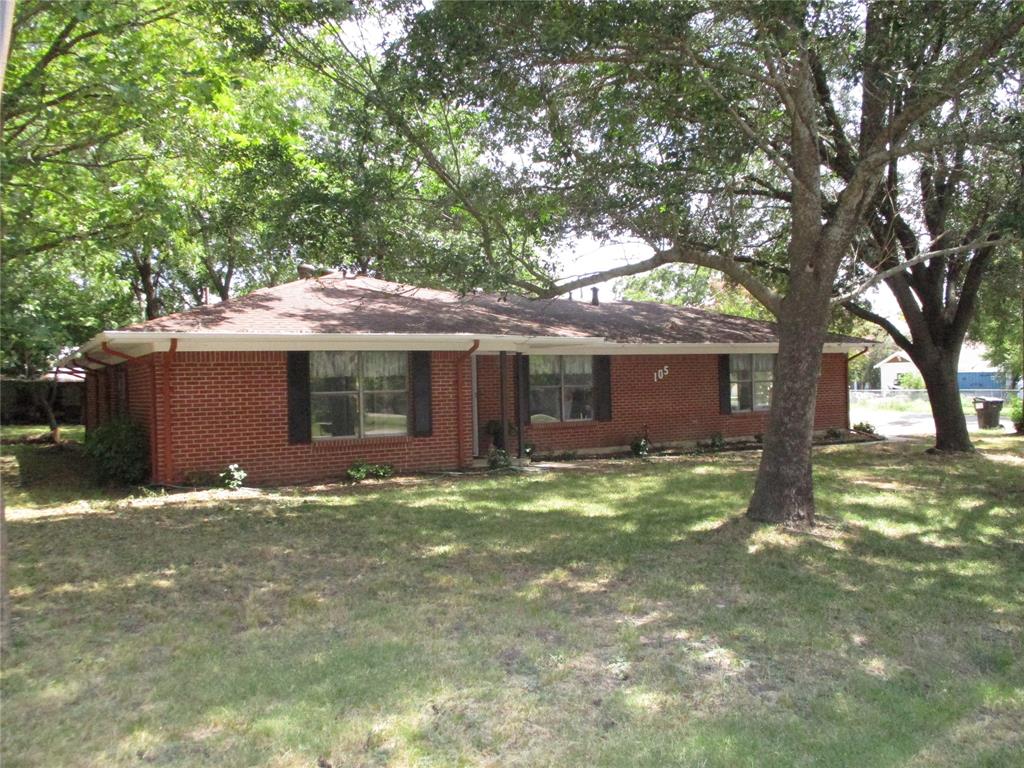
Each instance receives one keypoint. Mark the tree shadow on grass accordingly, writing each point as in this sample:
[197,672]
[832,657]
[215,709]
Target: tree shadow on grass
[629,619]
[52,475]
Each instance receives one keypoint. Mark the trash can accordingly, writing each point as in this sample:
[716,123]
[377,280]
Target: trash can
[988,409]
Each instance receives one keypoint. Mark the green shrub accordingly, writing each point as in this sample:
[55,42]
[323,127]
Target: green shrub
[119,450]
[864,427]
[834,434]
[641,447]
[910,380]
[362,470]
[233,477]
[497,458]
[1015,409]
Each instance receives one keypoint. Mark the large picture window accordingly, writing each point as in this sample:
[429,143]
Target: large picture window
[359,394]
[750,381]
[561,388]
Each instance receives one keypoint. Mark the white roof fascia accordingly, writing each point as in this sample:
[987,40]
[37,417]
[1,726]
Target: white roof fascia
[144,342]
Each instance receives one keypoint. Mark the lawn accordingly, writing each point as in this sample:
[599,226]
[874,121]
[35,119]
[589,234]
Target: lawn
[613,614]
[75,432]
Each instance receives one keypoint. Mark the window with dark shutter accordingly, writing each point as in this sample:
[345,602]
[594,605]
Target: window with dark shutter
[299,423]
[358,394]
[750,382]
[602,367]
[419,370]
[561,388]
[724,398]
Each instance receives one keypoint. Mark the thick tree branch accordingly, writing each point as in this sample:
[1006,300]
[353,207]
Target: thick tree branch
[844,152]
[969,290]
[675,255]
[866,314]
[920,258]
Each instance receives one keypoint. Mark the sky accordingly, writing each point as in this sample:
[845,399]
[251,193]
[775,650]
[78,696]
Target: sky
[588,255]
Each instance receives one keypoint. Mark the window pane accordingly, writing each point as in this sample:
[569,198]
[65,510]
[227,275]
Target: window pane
[334,415]
[384,370]
[740,396]
[578,403]
[333,371]
[739,366]
[544,371]
[578,369]
[385,413]
[764,364]
[762,394]
[543,402]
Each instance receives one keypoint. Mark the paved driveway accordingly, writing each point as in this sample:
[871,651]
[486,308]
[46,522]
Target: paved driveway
[896,423]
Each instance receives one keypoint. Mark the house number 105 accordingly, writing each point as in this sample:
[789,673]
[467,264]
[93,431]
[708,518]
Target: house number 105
[661,373]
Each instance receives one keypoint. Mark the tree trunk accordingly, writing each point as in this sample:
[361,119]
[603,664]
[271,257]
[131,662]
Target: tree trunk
[46,400]
[785,489]
[940,380]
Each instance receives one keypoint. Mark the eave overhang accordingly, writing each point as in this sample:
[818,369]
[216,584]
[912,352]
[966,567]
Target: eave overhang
[115,347]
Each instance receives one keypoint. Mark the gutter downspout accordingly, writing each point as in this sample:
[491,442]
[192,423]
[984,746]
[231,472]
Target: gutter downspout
[165,386]
[854,357]
[101,363]
[106,348]
[462,358]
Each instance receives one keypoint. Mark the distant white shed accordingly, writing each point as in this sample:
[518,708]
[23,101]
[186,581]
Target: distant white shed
[974,371]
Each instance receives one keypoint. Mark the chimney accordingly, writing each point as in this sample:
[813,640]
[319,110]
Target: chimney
[593,297]
[307,271]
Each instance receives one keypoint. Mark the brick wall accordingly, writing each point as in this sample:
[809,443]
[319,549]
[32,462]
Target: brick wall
[105,398]
[232,408]
[141,383]
[681,406]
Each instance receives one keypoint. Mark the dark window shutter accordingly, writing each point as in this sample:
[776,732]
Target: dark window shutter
[419,371]
[724,398]
[300,420]
[523,382]
[602,367]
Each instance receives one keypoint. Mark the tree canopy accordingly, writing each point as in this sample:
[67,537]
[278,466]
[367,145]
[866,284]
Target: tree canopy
[752,139]
[152,163]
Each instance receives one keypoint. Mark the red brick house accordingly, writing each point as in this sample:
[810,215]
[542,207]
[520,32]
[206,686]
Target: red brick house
[297,382]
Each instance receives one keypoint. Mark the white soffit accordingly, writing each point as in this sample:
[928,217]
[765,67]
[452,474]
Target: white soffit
[138,343]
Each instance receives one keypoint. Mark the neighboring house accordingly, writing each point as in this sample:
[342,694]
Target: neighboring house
[22,399]
[297,382]
[892,367]
[973,371]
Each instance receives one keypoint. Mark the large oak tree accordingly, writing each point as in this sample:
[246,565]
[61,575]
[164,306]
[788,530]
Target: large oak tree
[712,132]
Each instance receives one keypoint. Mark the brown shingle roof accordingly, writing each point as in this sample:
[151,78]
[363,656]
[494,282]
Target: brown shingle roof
[352,305]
